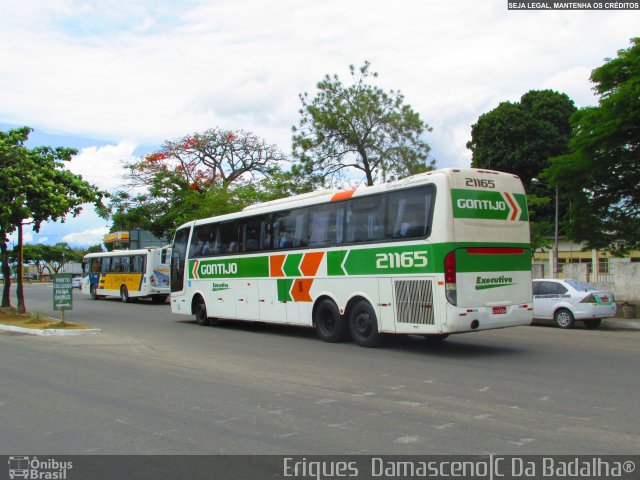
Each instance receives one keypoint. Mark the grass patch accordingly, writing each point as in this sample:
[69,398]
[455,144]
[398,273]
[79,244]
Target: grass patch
[9,316]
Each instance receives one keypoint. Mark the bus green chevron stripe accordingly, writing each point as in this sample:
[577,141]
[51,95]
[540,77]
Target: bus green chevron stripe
[522,203]
[334,263]
[284,290]
[291,267]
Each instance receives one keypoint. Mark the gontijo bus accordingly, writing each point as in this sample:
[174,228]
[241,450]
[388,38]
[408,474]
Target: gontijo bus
[437,253]
[141,273]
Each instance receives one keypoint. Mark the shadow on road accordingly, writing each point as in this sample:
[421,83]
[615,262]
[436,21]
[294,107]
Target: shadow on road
[460,346]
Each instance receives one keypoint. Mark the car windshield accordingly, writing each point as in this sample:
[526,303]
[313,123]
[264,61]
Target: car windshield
[583,287]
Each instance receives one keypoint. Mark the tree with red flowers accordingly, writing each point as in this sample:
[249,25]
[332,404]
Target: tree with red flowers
[214,157]
[201,175]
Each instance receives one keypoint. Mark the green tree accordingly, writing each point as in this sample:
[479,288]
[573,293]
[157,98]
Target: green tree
[97,248]
[12,154]
[520,138]
[359,127]
[601,173]
[39,189]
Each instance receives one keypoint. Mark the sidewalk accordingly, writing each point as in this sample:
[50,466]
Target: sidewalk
[618,323]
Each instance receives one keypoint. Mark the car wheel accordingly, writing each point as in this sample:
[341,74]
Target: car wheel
[564,318]
[124,294]
[330,325]
[592,323]
[363,324]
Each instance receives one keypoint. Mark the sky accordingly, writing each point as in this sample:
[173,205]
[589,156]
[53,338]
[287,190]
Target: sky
[116,79]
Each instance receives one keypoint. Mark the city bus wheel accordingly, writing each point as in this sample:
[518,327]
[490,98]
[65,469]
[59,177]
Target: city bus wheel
[363,324]
[330,325]
[94,292]
[201,313]
[124,294]
[564,318]
[592,323]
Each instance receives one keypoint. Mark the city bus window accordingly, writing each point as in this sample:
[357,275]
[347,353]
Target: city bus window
[203,241]
[290,228]
[95,265]
[325,225]
[253,234]
[365,219]
[228,237]
[105,265]
[137,264]
[409,213]
[125,265]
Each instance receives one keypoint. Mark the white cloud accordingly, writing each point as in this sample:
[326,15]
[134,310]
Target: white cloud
[572,83]
[155,73]
[103,166]
[86,238]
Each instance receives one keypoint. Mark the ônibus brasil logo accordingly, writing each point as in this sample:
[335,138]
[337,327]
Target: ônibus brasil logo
[37,469]
[484,283]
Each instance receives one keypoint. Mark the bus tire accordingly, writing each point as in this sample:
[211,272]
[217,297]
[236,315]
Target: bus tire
[93,291]
[124,294]
[200,311]
[159,298]
[564,318]
[363,324]
[330,325]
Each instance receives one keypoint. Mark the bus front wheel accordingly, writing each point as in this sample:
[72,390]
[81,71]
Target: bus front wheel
[94,292]
[363,324]
[330,325]
[201,313]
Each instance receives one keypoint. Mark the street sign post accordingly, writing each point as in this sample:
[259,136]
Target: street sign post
[62,293]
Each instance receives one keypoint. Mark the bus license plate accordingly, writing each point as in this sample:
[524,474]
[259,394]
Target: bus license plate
[499,310]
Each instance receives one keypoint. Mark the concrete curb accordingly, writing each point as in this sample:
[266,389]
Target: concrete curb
[47,332]
[620,324]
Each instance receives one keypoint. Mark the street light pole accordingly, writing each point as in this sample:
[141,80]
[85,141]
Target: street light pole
[555,241]
[554,258]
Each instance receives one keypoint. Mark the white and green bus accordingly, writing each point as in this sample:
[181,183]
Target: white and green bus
[437,253]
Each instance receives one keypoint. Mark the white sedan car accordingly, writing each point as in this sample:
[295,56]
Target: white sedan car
[76,281]
[566,301]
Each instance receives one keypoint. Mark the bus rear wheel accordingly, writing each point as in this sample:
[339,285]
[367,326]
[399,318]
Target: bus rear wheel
[330,325]
[124,294]
[363,324]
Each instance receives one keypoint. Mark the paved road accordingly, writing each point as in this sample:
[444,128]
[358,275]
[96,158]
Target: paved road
[155,383]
